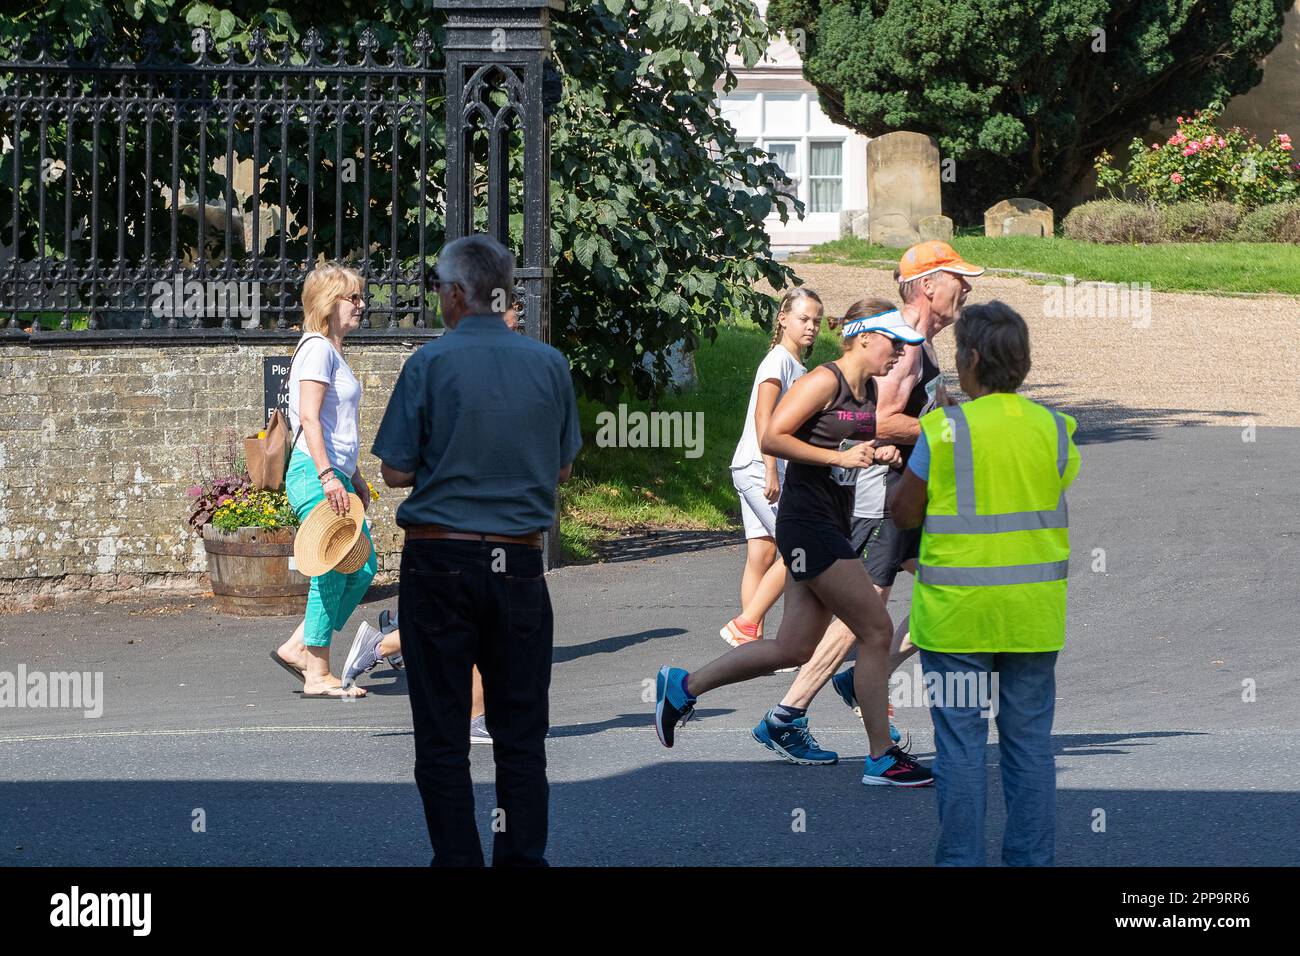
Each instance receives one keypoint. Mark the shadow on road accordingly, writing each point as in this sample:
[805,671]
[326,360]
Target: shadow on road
[658,544]
[1101,420]
[628,720]
[669,813]
[1101,745]
[608,645]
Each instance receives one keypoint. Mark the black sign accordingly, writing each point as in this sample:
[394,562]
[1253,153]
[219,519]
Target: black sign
[275,384]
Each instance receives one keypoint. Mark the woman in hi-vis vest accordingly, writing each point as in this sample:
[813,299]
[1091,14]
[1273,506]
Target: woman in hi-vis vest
[987,482]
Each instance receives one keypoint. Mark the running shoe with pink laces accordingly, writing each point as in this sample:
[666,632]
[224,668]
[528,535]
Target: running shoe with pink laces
[895,767]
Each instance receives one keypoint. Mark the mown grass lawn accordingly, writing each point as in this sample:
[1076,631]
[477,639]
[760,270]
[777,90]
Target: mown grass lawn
[1228,267]
[616,490]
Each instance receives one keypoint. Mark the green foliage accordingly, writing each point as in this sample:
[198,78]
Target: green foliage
[1024,93]
[1111,220]
[658,214]
[1277,222]
[1201,163]
[657,229]
[1221,267]
[1200,221]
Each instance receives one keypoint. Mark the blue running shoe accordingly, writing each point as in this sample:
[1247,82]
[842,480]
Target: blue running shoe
[895,767]
[843,684]
[672,706]
[792,741]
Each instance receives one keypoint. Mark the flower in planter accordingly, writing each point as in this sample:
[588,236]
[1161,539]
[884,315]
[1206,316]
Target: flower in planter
[255,509]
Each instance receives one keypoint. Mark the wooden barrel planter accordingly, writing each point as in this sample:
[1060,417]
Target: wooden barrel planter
[250,572]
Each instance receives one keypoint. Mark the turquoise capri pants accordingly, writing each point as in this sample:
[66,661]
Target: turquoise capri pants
[333,596]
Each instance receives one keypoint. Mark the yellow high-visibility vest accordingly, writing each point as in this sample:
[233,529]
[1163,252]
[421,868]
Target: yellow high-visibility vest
[995,546]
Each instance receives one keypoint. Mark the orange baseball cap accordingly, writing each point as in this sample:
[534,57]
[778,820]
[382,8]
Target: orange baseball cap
[926,258]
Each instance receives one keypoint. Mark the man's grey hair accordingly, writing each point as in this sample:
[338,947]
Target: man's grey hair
[909,289]
[481,266]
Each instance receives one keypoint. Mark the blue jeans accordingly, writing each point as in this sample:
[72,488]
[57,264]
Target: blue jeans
[1026,703]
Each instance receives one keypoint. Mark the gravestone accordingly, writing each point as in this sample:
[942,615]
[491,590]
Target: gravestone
[935,227]
[1019,217]
[853,222]
[902,187]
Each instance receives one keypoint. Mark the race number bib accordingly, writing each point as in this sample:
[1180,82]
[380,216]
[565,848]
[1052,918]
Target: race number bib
[931,395]
[845,476]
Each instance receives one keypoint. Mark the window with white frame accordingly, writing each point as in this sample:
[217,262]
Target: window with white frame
[825,175]
[782,124]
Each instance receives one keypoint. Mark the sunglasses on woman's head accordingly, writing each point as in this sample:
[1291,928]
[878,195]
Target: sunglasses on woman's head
[354,298]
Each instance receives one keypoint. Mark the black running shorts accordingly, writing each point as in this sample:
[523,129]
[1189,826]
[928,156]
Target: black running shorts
[809,549]
[887,547]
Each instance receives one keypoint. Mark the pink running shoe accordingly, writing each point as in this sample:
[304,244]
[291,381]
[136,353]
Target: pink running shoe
[737,632]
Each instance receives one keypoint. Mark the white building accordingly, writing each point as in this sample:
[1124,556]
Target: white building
[775,108]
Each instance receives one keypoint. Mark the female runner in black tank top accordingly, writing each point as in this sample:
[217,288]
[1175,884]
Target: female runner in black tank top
[831,406]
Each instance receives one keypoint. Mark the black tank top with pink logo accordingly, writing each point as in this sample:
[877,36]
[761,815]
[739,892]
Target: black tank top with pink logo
[822,494]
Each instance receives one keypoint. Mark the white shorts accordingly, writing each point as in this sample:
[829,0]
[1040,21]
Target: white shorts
[758,514]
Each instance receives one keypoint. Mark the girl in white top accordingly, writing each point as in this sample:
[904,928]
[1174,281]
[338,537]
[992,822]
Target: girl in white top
[758,477]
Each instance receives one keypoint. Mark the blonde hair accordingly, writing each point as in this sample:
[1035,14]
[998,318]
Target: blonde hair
[325,285]
[861,310]
[789,299]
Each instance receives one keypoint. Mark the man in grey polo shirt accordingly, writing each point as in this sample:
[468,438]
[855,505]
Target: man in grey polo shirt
[482,425]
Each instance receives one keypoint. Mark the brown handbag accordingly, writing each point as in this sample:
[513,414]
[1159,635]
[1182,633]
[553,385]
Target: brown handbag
[267,458]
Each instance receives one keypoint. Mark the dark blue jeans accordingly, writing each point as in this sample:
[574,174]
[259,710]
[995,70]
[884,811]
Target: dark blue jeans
[464,603]
[1026,703]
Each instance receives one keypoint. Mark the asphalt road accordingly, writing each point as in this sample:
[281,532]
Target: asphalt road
[1201,539]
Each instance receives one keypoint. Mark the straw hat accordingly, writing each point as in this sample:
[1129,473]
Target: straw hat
[325,538]
[355,559]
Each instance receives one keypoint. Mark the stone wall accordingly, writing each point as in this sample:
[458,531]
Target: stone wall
[97,451]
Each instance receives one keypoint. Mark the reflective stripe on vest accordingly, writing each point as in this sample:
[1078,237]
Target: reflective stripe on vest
[966,521]
[978,577]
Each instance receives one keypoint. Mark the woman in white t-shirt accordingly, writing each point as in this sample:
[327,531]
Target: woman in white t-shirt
[758,477]
[324,411]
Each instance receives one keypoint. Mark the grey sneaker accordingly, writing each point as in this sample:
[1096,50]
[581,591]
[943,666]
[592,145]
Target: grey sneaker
[478,732]
[363,655]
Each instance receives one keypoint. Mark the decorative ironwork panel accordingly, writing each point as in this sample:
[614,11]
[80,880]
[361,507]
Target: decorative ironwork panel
[192,191]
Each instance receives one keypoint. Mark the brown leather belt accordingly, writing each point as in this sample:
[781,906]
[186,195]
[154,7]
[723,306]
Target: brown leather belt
[422,532]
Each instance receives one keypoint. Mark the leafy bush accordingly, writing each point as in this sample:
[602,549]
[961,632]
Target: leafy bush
[255,509]
[1276,222]
[1109,220]
[1015,91]
[1201,163]
[1200,222]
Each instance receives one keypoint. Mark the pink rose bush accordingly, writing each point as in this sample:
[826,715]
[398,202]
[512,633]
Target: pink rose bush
[1201,163]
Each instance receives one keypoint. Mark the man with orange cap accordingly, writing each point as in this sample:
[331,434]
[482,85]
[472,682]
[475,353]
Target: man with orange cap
[933,284]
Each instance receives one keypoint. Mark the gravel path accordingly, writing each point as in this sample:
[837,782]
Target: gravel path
[1196,359]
